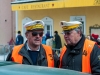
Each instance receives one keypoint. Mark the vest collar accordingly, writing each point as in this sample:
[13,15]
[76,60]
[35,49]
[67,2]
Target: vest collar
[41,56]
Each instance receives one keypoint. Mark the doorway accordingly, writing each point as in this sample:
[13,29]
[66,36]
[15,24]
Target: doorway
[81,19]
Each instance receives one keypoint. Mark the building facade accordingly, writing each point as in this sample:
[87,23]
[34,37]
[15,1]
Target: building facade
[6,22]
[52,12]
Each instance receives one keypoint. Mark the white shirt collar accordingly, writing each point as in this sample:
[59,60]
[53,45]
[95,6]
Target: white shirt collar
[28,48]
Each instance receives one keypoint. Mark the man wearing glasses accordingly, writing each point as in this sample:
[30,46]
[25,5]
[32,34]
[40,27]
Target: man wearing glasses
[33,52]
[79,53]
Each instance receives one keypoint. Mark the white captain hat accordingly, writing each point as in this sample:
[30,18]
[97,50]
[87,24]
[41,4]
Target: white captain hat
[34,25]
[66,26]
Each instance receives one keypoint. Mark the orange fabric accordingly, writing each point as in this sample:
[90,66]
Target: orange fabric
[49,55]
[61,54]
[88,47]
[15,56]
[18,58]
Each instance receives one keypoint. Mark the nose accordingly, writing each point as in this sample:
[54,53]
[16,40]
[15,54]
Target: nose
[38,35]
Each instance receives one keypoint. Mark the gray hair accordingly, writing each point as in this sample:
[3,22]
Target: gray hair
[79,29]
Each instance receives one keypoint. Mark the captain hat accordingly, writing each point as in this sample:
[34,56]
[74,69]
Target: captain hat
[67,26]
[34,25]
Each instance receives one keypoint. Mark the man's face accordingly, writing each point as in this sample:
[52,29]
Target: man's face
[71,37]
[34,37]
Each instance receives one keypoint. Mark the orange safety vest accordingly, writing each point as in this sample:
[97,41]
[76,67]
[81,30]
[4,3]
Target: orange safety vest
[88,47]
[18,58]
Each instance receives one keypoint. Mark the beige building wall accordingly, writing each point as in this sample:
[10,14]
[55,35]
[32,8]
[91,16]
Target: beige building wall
[6,22]
[92,15]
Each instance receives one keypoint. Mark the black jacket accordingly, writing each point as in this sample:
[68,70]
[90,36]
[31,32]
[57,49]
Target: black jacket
[58,43]
[72,58]
[19,40]
[41,60]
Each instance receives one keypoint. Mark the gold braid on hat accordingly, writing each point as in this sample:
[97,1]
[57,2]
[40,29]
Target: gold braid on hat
[70,27]
[36,26]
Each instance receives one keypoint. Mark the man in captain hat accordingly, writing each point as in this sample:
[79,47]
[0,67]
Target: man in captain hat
[79,53]
[33,52]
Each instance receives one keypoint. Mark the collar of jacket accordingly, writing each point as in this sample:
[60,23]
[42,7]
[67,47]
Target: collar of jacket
[28,48]
[77,48]
[41,55]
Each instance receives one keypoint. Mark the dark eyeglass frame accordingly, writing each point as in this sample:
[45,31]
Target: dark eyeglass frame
[67,32]
[34,33]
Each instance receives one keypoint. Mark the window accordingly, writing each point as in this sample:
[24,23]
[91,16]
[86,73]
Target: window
[81,19]
[48,25]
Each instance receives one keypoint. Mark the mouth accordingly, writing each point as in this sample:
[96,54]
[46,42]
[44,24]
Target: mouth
[67,39]
[37,40]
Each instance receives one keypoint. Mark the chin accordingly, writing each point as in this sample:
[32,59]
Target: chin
[67,42]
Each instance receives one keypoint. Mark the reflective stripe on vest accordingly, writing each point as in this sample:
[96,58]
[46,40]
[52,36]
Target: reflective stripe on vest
[87,49]
[18,58]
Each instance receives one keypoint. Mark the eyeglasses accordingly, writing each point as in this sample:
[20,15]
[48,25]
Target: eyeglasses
[36,33]
[67,33]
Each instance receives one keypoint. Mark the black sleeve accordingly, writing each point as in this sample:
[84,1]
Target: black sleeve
[9,57]
[56,60]
[95,60]
[56,39]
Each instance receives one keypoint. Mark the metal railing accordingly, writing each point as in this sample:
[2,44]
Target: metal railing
[57,51]
[27,0]
[4,51]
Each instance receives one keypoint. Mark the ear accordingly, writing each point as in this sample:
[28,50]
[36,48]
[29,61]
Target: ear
[79,32]
[27,35]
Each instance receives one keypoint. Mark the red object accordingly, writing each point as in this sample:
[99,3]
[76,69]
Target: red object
[11,42]
[95,36]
